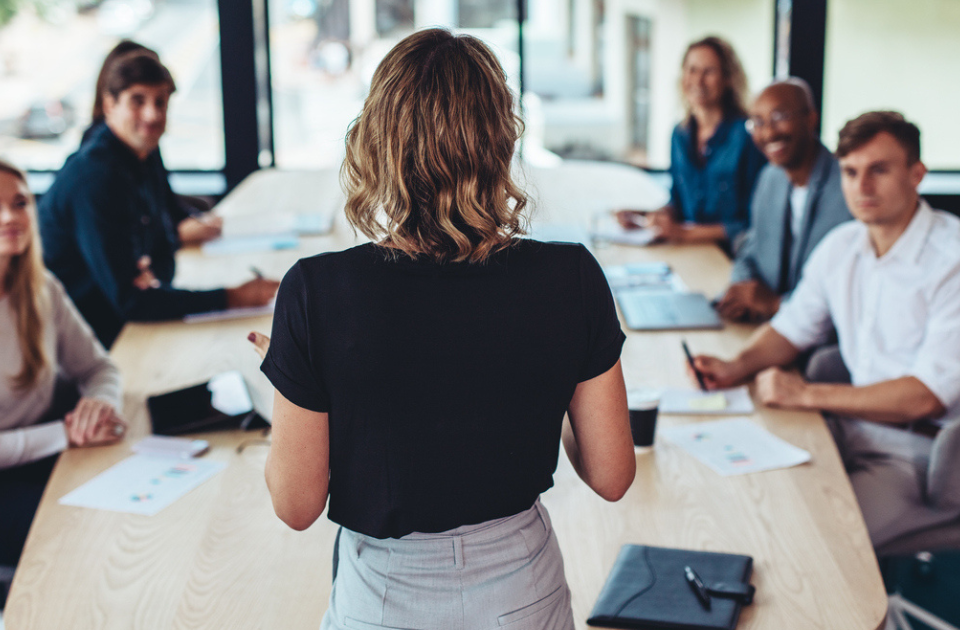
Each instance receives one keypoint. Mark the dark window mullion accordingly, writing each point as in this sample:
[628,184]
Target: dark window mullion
[239,24]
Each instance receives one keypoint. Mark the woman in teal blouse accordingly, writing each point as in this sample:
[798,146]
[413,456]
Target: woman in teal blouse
[714,163]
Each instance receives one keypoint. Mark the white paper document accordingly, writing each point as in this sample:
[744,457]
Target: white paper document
[302,224]
[231,313]
[250,244]
[607,228]
[142,484]
[735,446]
[733,401]
[649,275]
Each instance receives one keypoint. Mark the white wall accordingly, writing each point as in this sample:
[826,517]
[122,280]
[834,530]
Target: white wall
[746,24]
[888,54]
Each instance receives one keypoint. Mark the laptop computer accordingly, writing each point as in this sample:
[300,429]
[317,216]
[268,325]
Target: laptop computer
[644,309]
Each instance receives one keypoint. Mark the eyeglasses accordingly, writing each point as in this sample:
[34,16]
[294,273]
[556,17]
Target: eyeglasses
[777,118]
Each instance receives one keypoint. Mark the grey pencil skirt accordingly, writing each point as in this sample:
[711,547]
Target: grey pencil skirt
[505,573]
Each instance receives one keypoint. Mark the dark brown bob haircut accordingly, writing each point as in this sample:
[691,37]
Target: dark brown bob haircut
[427,167]
[865,128]
[138,67]
[122,48]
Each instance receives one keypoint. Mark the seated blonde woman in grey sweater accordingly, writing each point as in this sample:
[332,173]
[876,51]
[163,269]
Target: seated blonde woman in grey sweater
[42,338]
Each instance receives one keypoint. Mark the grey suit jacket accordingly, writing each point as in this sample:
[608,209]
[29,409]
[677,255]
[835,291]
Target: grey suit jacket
[759,257]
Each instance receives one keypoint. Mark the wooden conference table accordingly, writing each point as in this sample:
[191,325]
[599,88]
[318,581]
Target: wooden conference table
[219,557]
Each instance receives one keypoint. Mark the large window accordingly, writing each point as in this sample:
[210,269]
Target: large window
[883,55]
[324,52]
[602,77]
[50,55]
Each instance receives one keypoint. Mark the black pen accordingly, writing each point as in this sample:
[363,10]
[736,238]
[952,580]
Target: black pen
[257,273]
[686,351]
[696,585]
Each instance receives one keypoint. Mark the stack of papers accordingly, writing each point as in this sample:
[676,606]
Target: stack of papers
[650,275]
[735,447]
[231,313]
[302,224]
[250,244]
[607,228]
[734,401]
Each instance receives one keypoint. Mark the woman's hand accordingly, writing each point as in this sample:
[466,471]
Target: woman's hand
[93,422]
[199,229]
[665,227]
[631,219]
[261,343]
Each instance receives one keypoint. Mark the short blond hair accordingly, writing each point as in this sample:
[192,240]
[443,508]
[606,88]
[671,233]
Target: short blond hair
[427,168]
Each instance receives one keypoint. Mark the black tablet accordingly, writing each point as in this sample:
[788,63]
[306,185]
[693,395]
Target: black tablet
[223,402]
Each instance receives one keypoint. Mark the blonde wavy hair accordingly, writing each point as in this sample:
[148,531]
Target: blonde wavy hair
[427,167]
[26,285]
[737,92]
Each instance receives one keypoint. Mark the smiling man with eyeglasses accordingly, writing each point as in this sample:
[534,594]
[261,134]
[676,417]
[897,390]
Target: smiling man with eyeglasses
[797,201]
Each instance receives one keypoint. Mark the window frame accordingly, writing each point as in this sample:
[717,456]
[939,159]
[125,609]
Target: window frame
[247,99]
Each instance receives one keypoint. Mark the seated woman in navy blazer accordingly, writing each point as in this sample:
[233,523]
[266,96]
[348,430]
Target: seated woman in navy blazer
[422,379]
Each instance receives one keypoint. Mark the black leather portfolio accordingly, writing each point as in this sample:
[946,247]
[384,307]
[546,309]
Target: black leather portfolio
[648,588]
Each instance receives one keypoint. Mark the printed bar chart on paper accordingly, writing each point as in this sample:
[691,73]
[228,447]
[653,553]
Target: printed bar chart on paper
[142,484]
[736,446]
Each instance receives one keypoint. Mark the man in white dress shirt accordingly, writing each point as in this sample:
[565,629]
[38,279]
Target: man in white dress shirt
[890,284]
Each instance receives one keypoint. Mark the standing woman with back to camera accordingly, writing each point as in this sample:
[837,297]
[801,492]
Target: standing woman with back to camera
[427,399]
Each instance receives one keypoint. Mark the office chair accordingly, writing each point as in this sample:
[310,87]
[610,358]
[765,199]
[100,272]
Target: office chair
[826,366]
[920,545]
[941,479]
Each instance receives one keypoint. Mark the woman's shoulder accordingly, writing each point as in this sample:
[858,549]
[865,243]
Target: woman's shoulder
[547,251]
[736,129]
[681,131]
[327,263]
[54,293]
[550,259]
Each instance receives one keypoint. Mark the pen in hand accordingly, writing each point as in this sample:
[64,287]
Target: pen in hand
[696,372]
[696,585]
[257,273]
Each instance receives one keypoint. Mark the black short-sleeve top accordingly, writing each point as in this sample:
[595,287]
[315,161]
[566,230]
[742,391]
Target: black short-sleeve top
[445,384]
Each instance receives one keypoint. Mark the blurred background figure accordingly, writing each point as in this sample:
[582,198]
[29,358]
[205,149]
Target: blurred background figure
[108,223]
[714,164]
[42,337]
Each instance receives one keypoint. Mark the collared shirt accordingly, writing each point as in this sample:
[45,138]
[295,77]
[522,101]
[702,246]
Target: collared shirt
[718,187]
[761,255]
[798,203]
[895,316]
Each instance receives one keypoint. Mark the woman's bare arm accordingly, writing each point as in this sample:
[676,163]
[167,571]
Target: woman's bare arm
[298,466]
[597,438]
